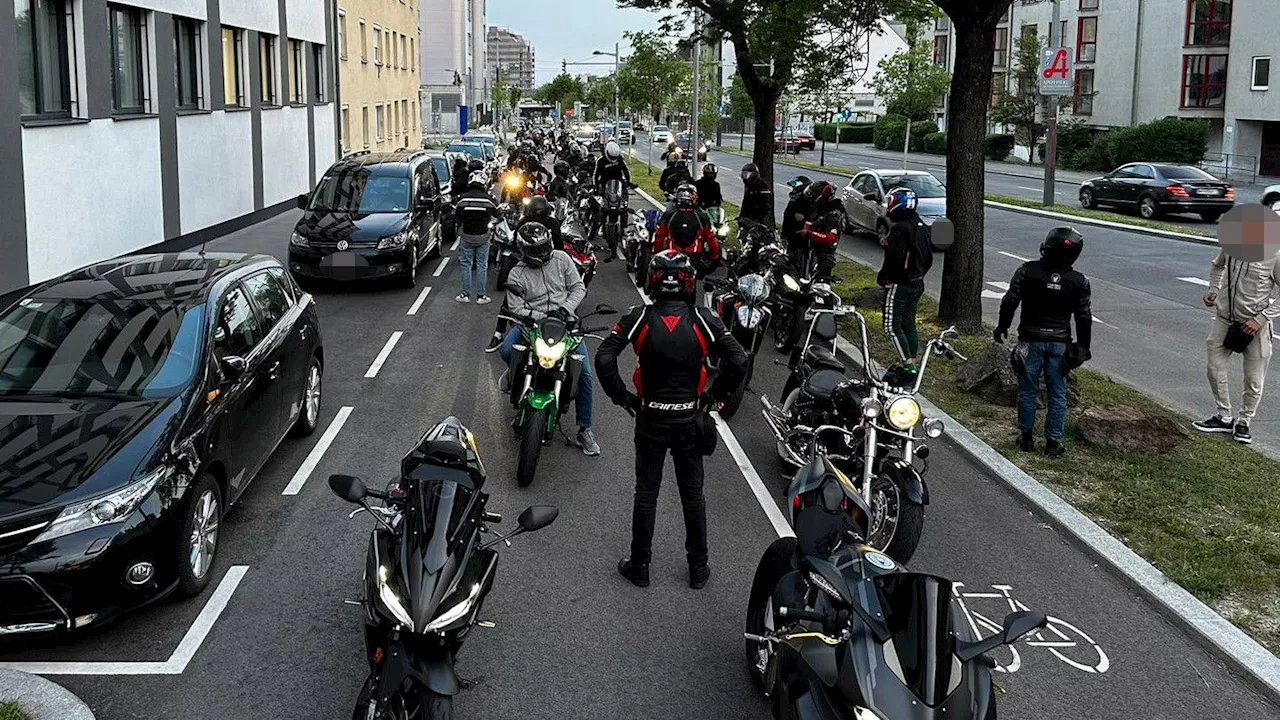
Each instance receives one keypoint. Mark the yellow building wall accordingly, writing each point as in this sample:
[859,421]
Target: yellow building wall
[378,74]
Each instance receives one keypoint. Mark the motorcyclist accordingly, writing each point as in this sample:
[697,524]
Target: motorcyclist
[674,175]
[1051,293]
[709,194]
[907,259]
[685,228]
[539,211]
[560,187]
[757,196]
[546,282]
[460,175]
[611,166]
[673,340]
[823,227]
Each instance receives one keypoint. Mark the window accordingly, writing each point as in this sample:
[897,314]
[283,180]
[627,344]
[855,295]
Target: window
[1058,36]
[380,111]
[186,38]
[1001,57]
[46,67]
[237,331]
[1261,77]
[342,35]
[129,64]
[346,127]
[404,115]
[267,66]
[941,50]
[377,45]
[364,43]
[1142,171]
[414,112]
[296,68]
[233,76]
[364,124]
[269,295]
[942,24]
[1086,39]
[1088,4]
[413,57]
[1208,22]
[319,74]
[1204,81]
[1083,101]
[1008,13]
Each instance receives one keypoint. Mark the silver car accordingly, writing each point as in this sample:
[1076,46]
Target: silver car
[1271,197]
[864,198]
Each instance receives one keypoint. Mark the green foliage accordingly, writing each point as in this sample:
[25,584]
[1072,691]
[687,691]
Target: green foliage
[1020,109]
[920,130]
[998,147]
[11,710]
[849,132]
[1074,135]
[599,93]
[909,81]
[890,131]
[564,89]
[936,143]
[1094,157]
[739,101]
[652,74]
[1174,140]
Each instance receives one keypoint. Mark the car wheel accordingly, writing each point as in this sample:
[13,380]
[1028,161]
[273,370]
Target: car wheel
[1210,217]
[410,277]
[309,414]
[197,543]
[1273,202]
[1086,199]
[1147,208]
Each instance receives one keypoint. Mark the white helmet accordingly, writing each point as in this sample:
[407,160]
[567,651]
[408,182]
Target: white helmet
[478,177]
[612,150]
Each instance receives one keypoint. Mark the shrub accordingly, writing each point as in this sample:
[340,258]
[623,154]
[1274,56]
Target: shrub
[1073,136]
[889,132]
[936,143]
[1175,140]
[825,131]
[1094,157]
[998,147]
[920,130]
[859,133]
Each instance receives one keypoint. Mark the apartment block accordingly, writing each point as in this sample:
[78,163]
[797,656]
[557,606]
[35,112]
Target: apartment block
[377,51]
[452,57]
[512,55]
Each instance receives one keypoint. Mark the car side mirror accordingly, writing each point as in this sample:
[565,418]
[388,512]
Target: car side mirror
[302,201]
[872,196]
[234,367]
[537,517]
[349,488]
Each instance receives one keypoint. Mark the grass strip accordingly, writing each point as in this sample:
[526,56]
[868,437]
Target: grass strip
[11,710]
[1207,514]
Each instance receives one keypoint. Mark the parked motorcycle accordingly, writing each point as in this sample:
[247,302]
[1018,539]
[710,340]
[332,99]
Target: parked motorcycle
[743,306]
[614,210]
[837,630]
[579,248]
[427,572]
[797,294]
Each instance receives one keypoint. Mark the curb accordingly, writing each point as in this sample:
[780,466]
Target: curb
[1253,662]
[40,698]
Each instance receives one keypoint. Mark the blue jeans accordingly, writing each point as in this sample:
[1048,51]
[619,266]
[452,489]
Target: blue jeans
[473,256]
[1044,359]
[586,378]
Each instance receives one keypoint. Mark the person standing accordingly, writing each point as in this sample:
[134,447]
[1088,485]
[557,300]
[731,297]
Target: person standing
[474,209]
[709,193]
[757,196]
[907,259]
[1051,294]
[673,339]
[1242,295]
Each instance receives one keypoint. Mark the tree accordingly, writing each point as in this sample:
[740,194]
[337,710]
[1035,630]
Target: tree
[563,89]
[974,23]
[710,96]
[740,107]
[1021,108]
[651,75]
[909,81]
[599,94]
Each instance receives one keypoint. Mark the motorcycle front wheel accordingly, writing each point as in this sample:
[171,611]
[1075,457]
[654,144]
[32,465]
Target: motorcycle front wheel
[415,704]
[775,563]
[735,399]
[896,522]
[532,436]
[783,337]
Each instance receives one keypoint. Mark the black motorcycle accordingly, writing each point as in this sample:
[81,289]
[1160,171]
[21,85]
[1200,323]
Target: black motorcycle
[427,572]
[836,630]
[743,307]
[798,293]
[614,212]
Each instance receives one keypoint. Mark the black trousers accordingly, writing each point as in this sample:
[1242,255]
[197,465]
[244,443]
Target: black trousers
[653,442]
[826,257]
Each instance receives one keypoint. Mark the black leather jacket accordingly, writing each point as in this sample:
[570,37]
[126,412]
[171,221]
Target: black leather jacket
[1050,297]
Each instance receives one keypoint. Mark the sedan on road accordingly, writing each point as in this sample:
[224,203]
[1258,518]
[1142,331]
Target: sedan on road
[1154,189]
[864,198]
[138,399]
[660,134]
[806,141]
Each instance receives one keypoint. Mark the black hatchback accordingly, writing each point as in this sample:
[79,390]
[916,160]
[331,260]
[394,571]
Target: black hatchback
[138,399]
[372,216]
[1154,189]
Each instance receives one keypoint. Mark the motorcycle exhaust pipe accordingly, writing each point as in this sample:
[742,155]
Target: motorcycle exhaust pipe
[770,418]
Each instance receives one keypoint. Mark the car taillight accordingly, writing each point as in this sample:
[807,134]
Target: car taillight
[1177,191]
[1231,193]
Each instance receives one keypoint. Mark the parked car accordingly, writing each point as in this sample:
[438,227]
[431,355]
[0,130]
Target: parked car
[1154,189]
[786,143]
[138,399]
[660,134]
[864,198]
[806,141]
[372,216]
[443,167]
[625,134]
[1271,197]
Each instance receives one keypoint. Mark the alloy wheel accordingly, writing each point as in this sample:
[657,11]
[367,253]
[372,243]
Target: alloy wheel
[1147,208]
[311,397]
[204,532]
[1276,206]
[1086,198]
[885,510]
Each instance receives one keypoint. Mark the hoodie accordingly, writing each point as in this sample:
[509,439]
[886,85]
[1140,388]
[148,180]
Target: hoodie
[1246,290]
[907,254]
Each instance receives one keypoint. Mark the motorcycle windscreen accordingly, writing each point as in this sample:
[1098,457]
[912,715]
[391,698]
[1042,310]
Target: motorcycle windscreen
[430,561]
[917,613]
[613,192]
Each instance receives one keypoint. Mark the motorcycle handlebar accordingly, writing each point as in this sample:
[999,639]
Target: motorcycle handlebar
[802,614]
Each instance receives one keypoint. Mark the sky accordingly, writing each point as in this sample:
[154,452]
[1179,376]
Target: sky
[568,30]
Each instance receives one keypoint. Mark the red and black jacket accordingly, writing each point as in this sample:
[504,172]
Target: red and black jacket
[672,340]
[688,231]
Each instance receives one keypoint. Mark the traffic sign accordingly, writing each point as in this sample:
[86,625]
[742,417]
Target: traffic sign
[1056,72]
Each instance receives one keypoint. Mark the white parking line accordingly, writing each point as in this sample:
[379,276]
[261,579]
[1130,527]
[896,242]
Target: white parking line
[321,447]
[417,304]
[372,372]
[1033,189]
[1195,281]
[454,246]
[440,268]
[181,656]
[1015,257]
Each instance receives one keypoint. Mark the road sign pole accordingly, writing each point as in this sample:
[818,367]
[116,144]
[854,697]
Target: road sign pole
[1051,145]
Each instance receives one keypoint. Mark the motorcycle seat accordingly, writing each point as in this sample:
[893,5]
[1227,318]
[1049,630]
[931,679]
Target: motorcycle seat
[822,383]
[819,357]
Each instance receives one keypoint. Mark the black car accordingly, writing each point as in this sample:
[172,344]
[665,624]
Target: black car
[1154,189]
[372,216]
[444,175]
[138,399]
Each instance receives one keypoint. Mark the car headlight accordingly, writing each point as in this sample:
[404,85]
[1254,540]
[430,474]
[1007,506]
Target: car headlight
[791,283]
[548,354]
[457,612]
[108,509]
[749,317]
[933,428]
[391,599]
[297,240]
[861,713]
[394,242]
[903,413]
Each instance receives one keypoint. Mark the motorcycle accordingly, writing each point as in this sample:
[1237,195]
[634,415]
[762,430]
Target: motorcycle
[635,237]
[614,208]
[719,222]
[886,452]
[544,380]
[742,305]
[579,248]
[642,250]
[837,630]
[428,570]
[798,293]
[502,242]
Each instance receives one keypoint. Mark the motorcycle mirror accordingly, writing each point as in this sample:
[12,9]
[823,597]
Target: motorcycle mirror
[831,574]
[606,309]
[536,517]
[348,487]
[1017,624]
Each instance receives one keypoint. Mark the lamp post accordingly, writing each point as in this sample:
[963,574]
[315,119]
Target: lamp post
[617,56]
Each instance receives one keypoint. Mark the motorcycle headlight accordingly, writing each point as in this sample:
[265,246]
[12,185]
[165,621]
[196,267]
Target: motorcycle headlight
[903,413]
[548,354]
[394,242]
[871,408]
[297,240]
[749,317]
[457,612]
[861,713]
[107,509]
[391,599]
[933,428]
[513,182]
[791,283]
[723,231]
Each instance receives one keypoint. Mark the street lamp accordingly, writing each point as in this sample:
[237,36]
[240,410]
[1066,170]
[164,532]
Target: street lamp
[617,57]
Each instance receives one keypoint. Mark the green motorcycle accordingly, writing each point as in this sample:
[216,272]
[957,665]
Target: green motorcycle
[544,380]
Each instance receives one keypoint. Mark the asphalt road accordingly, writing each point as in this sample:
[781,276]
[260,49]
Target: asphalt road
[1150,325]
[574,640]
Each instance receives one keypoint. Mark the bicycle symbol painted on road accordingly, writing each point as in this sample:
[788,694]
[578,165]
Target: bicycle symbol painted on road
[1065,641]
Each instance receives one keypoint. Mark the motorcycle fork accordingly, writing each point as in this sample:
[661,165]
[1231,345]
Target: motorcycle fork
[868,461]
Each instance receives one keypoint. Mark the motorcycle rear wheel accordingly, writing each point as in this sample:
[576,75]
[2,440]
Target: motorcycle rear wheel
[775,563]
[424,705]
[532,436]
[783,338]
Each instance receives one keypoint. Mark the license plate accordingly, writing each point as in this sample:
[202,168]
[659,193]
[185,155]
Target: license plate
[1208,192]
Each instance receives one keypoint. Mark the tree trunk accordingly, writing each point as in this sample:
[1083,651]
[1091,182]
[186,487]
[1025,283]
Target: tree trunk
[961,300]
[762,155]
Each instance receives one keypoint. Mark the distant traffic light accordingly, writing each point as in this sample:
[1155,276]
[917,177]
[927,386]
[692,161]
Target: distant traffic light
[564,66]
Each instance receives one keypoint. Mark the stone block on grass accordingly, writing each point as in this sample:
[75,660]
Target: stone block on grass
[1129,430]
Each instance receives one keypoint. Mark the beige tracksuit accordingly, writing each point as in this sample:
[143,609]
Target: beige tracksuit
[1245,291]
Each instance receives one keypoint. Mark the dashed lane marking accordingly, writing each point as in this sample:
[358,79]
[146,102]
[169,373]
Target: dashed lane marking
[440,268]
[1015,257]
[1195,281]
[417,304]
[454,246]
[317,453]
[372,372]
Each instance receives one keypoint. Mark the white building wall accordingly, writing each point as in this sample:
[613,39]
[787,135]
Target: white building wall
[284,169]
[325,133]
[106,203]
[262,15]
[215,168]
[306,20]
[186,8]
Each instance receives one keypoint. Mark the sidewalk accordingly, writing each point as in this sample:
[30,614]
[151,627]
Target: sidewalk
[40,698]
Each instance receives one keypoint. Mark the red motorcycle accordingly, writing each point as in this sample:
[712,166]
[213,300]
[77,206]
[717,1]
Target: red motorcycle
[580,249]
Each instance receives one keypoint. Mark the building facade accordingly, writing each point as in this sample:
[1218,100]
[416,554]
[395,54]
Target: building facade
[377,48]
[140,122]
[452,62]
[510,54]
[1142,60]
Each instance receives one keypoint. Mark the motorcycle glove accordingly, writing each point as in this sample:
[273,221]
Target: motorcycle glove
[999,335]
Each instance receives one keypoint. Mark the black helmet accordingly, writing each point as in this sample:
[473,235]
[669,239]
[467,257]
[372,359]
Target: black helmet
[533,239]
[798,184]
[1061,247]
[474,165]
[819,192]
[686,195]
[709,170]
[671,277]
[561,168]
[750,173]
[538,207]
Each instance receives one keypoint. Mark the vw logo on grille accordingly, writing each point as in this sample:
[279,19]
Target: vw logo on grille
[343,244]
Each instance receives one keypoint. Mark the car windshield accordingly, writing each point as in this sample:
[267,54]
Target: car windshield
[624,124]
[660,128]
[361,191]
[117,347]
[1184,172]
[474,150]
[441,166]
[925,186]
